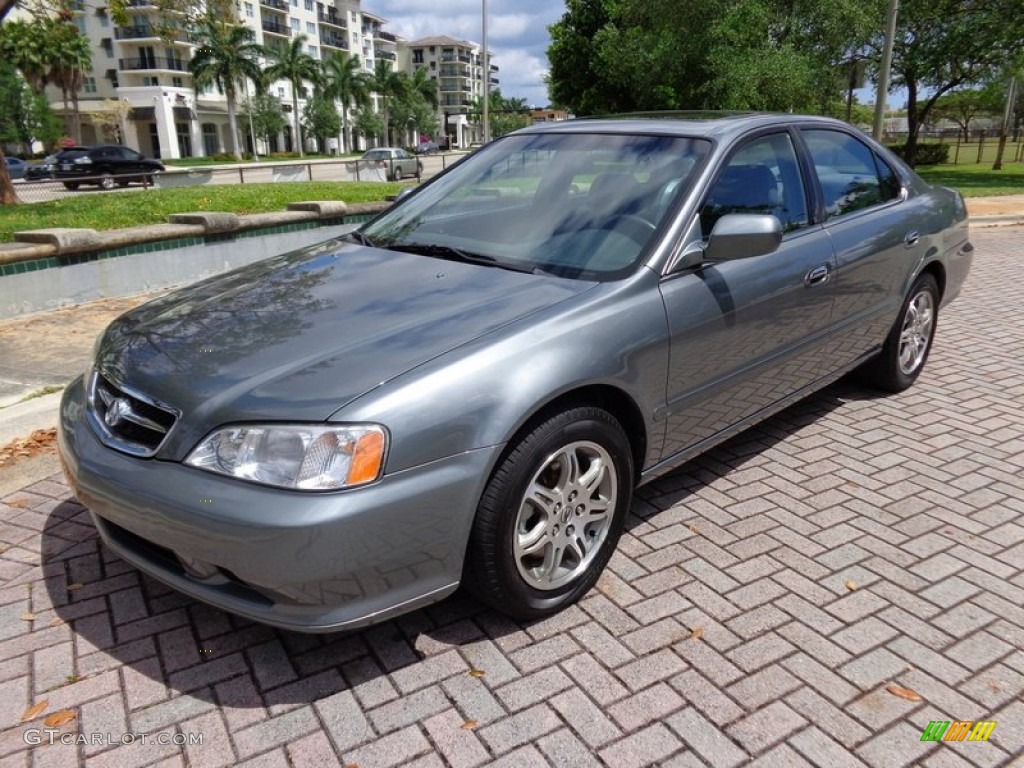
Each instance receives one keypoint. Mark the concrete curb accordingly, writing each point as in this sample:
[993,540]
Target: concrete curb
[21,419]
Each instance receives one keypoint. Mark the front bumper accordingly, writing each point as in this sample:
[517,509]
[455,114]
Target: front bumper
[313,562]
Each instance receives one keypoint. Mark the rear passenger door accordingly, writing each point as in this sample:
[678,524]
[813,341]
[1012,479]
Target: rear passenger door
[871,229]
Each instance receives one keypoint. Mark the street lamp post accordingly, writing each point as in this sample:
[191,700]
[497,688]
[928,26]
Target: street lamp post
[883,73]
[486,78]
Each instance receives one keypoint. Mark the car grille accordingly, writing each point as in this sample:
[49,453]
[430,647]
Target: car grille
[127,421]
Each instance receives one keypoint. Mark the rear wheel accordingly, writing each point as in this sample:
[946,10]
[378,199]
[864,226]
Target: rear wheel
[551,515]
[72,185]
[397,174]
[107,181]
[906,348]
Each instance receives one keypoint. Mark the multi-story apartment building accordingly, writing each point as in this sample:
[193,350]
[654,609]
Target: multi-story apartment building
[458,67]
[163,115]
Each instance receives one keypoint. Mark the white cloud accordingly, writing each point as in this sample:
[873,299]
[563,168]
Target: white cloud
[516,33]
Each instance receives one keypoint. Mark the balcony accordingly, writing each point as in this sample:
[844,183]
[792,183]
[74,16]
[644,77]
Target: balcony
[454,88]
[151,63]
[386,55]
[495,81]
[332,19]
[387,36]
[277,5]
[332,40]
[454,72]
[143,32]
[276,28]
[465,58]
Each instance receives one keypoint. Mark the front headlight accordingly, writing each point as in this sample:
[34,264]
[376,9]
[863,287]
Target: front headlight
[308,458]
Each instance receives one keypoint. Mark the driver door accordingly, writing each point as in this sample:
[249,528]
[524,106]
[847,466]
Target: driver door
[749,332]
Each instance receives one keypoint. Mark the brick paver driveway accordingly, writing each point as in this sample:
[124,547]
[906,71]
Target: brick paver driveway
[763,600]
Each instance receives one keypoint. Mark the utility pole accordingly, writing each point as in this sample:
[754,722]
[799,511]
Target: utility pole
[1011,97]
[883,74]
[486,78]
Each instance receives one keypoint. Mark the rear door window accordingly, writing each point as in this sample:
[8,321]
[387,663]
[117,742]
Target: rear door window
[851,175]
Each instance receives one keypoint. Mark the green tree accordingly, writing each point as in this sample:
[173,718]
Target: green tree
[320,118]
[343,79]
[227,56]
[624,55]
[296,66]
[388,86]
[963,106]
[367,123]
[25,116]
[23,45]
[943,45]
[70,57]
[267,117]
[505,113]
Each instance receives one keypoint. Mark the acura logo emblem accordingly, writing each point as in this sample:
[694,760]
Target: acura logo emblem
[117,412]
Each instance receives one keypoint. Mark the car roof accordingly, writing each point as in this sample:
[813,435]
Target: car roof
[713,125]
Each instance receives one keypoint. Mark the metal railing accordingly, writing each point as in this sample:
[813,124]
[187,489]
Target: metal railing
[354,169]
[155,62]
[276,28]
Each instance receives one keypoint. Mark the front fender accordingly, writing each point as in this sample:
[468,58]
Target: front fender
[480,394]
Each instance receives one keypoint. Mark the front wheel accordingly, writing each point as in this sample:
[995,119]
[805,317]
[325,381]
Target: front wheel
[107,182]
[551,515]
[907,346]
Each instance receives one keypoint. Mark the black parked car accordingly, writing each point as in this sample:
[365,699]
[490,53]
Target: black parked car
[104,165]
[42,170]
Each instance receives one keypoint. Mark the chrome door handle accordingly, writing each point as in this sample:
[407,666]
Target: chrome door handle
[912,238]
[817,276]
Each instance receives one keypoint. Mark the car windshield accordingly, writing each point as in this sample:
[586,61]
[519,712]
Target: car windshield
[576,205]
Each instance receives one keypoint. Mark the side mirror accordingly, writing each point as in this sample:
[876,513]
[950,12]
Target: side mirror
[742,235]
[403,194]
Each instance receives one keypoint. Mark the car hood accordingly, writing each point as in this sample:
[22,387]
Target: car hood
[299,336]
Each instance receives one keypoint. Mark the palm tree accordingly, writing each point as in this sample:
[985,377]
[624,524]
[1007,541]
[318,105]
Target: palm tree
[227,56]
[421,84]
[387,84]
[344,80]
[70,57]
[296,66]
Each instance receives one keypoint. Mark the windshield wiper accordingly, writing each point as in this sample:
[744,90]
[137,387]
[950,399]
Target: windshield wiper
[358,237]
[450,253]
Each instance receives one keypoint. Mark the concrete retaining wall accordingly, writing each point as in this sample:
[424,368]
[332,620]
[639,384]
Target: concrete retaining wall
[49,269]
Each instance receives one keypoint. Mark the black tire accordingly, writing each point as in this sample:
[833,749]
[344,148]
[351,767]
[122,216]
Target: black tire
[493,570]
[396,175]
[902,358]
[72,185]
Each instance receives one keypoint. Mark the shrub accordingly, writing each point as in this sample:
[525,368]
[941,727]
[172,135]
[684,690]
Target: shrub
[925,154]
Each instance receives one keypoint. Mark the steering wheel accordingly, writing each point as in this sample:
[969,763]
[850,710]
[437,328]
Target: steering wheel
[636,228]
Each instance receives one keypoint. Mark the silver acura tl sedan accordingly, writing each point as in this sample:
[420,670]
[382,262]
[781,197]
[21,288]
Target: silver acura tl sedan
[468,388]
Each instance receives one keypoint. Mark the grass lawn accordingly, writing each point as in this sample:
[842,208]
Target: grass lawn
[128,209]
[977,180]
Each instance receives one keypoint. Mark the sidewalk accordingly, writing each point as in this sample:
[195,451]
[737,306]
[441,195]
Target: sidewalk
[818,591]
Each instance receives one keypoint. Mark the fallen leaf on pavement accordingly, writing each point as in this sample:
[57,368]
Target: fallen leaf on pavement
[476,673]
[697,633]
[73,587]
[41,441]
[27,617]
[56,622]
[470,725]
[851,585]
[693,529]
[59,718]
[34,711]
[903,693]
